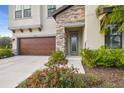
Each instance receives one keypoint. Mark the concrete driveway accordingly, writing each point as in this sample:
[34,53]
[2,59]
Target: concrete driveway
[16,69]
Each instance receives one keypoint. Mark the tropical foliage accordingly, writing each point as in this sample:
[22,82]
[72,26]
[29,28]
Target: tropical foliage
[110,18]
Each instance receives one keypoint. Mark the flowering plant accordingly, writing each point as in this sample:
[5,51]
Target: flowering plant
[56,76]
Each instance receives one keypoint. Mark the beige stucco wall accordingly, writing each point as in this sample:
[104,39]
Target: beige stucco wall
[38,14]
[92,37]
[34,20]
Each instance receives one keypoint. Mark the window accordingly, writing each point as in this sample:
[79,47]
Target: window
[23,11]
[27,11]
[113,39]
[51,9]
[18,12]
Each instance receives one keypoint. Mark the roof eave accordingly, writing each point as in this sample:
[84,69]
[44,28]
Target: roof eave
[61,9]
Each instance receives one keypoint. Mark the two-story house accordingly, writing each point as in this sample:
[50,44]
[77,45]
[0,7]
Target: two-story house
[37,31]
[40,30]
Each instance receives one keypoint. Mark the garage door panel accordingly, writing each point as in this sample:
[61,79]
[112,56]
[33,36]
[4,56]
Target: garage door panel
[37,46]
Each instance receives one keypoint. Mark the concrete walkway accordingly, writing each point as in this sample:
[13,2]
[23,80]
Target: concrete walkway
[76,62]
[16,69]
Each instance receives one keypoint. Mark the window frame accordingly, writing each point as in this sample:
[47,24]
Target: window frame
[52,8]
[22,9]
[108,36]
[18,10]
[26,9]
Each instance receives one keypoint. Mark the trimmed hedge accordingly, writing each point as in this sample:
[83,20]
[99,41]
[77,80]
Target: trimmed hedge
[103,57]
[5,52]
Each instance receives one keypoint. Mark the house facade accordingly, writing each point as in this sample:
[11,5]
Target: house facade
[42,29]
[33,29]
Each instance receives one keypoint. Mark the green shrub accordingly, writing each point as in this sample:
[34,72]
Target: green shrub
[4,52]
[103,57]
[110,57]
[57,57]
[89,57]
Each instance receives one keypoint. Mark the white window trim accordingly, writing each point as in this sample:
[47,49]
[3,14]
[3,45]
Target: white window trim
[26,8]
[22,9]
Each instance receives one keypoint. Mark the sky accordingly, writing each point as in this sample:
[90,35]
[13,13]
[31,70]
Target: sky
[4,21]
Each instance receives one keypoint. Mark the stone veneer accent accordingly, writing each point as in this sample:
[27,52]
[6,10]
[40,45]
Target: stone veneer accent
[74,14]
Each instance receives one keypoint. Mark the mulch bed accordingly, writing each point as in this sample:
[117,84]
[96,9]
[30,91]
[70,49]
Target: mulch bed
[110,75]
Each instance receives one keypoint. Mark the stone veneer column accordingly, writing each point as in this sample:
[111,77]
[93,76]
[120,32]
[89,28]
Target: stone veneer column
[60,38]
[72,15]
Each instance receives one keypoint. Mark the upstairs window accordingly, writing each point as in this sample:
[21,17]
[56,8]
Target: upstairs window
[51,9]
[18,12]
[22,11]
[113,39]
[27,10]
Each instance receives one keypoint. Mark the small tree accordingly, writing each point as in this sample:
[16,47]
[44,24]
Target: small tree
[5,42]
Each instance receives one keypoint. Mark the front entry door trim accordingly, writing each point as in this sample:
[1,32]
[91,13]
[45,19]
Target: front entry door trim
[74,43]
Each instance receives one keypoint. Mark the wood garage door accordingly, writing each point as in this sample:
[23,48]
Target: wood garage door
[36,46]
